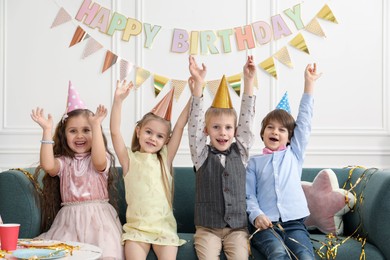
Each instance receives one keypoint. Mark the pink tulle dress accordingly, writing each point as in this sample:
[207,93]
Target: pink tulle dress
[86,216]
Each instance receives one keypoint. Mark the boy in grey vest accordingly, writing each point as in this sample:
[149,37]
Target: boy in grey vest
[220,206]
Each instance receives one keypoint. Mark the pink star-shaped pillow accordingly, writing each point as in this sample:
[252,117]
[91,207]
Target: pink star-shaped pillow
[327,203]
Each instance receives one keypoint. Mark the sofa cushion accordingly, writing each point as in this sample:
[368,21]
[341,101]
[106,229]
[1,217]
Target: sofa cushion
[327,202]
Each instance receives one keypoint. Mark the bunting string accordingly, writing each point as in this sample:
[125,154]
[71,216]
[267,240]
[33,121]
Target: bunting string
[92,46]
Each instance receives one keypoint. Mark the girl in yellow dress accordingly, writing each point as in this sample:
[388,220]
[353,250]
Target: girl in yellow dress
[147,171]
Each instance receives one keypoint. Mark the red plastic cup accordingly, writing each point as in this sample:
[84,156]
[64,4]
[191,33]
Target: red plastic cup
[9,234]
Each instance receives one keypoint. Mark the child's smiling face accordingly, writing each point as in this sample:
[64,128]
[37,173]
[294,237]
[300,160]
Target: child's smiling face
[221,129]
[275,135]
[78,133]
[152,136]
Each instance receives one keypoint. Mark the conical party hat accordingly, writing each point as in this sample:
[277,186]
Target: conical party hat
[284,104]
[74,102]
[164,107]
[222,97]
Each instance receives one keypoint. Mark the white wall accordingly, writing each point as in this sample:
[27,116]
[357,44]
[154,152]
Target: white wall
[351,119]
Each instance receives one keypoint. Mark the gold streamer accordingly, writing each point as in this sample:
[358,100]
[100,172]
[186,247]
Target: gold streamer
[159,83]
[284,57]
[178,85]
[78,36]
[140,76]
[299,43]
[109,60]
[269,66]
[326,14]
[213,86]
[332,242]
[315,28]
[235,82]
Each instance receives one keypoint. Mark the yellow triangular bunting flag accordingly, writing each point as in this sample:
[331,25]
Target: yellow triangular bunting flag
[235,82]
[326,14]
[284,57]
[178,85]
[140,76]
[159,83]
[213,86]
[315,28]
[299,43]
[269,66]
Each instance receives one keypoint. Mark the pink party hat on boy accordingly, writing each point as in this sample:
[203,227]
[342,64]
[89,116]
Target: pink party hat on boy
[284,104]
[74,102]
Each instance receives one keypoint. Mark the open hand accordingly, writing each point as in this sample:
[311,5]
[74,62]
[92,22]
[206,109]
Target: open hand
[197,73]
[122,89]
[38,116]
[98,117]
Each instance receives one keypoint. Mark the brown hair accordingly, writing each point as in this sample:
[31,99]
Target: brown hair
[216,111]
[281,116]
[51,196]
[135,146]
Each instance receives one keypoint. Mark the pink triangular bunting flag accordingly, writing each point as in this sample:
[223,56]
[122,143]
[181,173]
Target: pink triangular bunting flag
[91,47]
[125,68]
[62,17]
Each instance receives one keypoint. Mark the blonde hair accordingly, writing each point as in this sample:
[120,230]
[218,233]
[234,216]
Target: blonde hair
[216,111]
[135,146]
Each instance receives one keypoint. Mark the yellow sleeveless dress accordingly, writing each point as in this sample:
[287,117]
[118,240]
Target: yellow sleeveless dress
[149,218]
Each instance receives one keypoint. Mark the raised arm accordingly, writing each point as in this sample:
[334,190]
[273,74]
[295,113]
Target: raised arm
[121,92]
[249,75]
[47,160]
[311,76]
[98,150]
[197,74]
[177,133]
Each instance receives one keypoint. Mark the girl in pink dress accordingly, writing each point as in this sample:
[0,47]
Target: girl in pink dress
[78,172]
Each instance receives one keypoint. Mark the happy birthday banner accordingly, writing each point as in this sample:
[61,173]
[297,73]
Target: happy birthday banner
[194,42]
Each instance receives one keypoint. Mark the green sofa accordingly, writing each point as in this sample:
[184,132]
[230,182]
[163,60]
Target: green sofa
[369,220]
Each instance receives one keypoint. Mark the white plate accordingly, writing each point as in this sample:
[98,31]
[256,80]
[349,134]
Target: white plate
[40,253]
[38,242]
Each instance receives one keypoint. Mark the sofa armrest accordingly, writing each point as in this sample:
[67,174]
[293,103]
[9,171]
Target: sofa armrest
[373,209]
[19,202]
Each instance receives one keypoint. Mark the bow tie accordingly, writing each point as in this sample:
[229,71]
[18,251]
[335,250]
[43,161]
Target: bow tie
[269,151]
[215,151]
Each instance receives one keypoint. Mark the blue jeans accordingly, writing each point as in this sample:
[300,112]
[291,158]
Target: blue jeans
[294,236]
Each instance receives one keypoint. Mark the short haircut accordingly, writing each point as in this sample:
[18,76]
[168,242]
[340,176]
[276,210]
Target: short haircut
[281,116]
[216,111]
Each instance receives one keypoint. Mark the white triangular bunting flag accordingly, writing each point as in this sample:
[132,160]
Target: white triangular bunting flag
[284,57]
[213,86]
[178,85]
[315,28]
